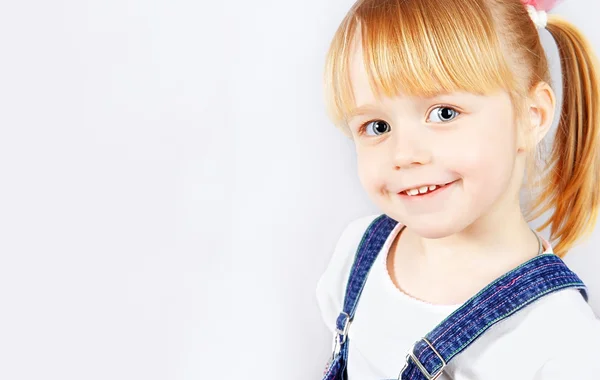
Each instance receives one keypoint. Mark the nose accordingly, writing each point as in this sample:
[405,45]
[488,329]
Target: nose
[410,151]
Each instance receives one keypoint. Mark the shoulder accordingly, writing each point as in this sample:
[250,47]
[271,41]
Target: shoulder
[556,337]
[567,332]
[577,356]
[332,283]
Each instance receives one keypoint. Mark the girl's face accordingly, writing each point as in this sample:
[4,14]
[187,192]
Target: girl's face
[465,143]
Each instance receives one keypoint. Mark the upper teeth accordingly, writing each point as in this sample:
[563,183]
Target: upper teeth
[422,190]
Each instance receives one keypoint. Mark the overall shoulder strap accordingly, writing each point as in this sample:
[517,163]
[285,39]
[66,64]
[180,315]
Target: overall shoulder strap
[370,245]
[540,276]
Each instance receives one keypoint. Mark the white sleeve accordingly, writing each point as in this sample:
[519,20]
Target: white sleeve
[579,360]
[332,283]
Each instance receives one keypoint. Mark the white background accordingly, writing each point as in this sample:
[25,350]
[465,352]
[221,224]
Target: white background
[171,190]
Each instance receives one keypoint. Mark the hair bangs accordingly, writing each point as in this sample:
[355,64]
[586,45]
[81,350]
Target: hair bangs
[416,48]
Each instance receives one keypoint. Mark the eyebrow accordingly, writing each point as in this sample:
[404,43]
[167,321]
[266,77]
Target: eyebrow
[372,108]
[364,109]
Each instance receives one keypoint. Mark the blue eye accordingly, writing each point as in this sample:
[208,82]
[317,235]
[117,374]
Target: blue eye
[378,126]
[443,114]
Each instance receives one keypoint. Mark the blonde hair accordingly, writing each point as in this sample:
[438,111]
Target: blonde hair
[429,47]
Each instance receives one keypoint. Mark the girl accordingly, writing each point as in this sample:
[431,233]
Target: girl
[447,102]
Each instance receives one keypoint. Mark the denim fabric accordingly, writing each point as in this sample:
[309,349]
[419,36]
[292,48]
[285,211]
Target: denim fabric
[505,296]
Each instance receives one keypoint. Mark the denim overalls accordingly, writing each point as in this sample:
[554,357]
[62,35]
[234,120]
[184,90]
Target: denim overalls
[544,274]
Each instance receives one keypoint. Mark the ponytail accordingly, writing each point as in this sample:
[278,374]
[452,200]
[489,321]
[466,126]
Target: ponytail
[572,184]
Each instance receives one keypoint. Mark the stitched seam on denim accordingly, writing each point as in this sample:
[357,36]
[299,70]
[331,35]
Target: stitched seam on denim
[339,357]
[506,315]
[412,375]
[355,275]
[414,372]
[479,305]
[500,305]
[367,235]
[426,357]
[331,367]
[365,241]
[544,256]
[362,239]
[512,297]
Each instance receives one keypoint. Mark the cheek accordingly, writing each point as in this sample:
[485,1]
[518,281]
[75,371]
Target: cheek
[365,170]
[368,164]
[486,157]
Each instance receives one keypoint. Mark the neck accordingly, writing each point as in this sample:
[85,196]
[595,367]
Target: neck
[501,235]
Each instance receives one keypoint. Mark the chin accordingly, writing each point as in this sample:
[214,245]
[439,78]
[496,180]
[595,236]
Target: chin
[434,229]
[430,232]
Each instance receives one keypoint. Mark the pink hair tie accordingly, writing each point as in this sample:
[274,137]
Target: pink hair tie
[538,10]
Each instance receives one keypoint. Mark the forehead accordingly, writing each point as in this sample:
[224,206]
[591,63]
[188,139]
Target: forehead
[358,75]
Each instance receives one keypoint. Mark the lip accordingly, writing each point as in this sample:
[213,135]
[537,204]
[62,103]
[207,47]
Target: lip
[428,195]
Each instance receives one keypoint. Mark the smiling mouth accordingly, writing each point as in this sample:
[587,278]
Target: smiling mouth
[424,190]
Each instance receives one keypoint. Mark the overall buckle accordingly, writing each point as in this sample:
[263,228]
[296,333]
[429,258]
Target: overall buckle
[340,337]
[421,367]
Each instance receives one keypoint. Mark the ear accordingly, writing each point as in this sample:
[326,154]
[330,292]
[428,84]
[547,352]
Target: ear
[542,104]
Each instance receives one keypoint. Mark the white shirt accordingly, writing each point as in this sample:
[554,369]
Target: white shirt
[556,337]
